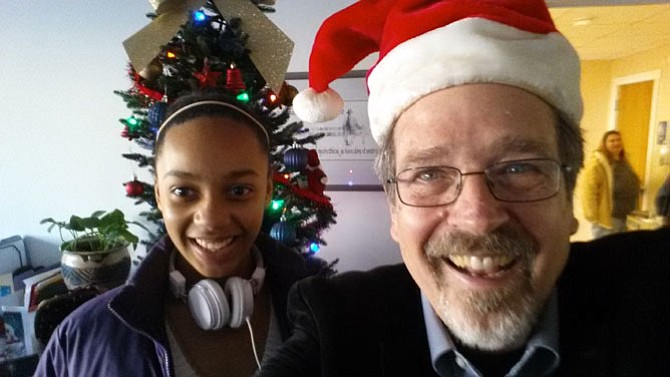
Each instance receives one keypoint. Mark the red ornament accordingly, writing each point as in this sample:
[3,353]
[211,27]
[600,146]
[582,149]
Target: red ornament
[134,188]
[234,81]
[126,133]
[207,78]
[153,94]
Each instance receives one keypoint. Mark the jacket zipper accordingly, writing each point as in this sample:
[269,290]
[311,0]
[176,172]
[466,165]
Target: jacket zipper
[166,359]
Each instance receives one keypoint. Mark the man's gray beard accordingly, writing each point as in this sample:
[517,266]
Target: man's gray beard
[498,319]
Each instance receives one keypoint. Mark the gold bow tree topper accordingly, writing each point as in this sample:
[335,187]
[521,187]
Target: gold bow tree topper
[270,48]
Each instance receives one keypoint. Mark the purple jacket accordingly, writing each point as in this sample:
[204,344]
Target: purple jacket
[122,332]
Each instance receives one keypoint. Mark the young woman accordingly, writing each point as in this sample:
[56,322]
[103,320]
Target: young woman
[610,187]
[210,298]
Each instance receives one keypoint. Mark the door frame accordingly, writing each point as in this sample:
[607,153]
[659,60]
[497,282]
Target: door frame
[655,77]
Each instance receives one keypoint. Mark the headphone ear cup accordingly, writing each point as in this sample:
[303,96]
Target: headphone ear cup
[209,305]
[241,297]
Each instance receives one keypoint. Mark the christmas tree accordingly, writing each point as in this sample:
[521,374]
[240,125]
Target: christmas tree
[194,45]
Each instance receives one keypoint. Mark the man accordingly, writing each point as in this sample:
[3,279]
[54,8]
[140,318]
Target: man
[476,108]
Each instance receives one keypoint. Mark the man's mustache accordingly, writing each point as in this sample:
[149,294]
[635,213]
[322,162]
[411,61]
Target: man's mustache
[505,240]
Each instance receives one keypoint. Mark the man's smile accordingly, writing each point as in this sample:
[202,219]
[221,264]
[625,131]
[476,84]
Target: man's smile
[481,266]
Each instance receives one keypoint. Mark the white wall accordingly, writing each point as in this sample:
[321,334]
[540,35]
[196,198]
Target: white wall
[361,236]
[60,143]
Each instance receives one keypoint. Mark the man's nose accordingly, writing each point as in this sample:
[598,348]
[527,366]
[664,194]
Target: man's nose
[476,210]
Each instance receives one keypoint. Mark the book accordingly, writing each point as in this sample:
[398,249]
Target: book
[6,284]
[46,289]
[31,283]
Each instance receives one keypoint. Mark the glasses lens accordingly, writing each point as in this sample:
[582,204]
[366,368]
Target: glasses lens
[428,186]
[524,180]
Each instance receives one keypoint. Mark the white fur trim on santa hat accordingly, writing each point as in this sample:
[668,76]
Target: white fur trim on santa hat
[474,50]
[314,107]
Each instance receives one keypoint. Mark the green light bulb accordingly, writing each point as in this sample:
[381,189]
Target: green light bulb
[243,97]
[277,204]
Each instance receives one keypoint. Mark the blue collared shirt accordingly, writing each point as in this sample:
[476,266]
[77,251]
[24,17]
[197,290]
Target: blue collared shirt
[540,357]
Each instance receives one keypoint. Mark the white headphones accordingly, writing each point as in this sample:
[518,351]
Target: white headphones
[213,307]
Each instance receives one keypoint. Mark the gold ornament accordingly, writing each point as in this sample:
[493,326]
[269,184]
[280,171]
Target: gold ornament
[287,93]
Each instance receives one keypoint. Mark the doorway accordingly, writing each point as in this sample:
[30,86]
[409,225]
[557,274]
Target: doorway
[633,106]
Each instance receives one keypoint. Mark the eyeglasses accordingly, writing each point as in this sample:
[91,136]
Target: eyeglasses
[510,181]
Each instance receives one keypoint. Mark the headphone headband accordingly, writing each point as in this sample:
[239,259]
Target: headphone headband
[216,103]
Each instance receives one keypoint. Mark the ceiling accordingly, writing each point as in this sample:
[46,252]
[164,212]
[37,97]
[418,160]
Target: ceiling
[612,32]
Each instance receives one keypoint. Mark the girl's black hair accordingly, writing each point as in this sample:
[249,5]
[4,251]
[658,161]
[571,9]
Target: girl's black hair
[235,111]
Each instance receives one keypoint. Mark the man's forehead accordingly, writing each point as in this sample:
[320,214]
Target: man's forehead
[416,151]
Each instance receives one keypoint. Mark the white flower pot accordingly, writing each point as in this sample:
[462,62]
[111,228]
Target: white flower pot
[101,269]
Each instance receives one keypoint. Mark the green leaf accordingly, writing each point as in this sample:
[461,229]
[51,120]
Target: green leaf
[112,219]
[76,223]
[97,213]
[131,238]
[90,223]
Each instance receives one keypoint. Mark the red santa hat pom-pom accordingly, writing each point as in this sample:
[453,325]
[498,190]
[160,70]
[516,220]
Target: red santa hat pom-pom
[313,107]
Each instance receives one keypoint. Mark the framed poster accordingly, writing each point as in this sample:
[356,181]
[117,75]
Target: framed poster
[347,151]
[662,134]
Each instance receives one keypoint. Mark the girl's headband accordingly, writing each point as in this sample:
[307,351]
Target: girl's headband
[217,103]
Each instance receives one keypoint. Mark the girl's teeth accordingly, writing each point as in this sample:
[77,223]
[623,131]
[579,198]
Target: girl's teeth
[212,245]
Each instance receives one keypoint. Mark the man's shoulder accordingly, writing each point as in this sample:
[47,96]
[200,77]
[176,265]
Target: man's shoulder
[378,302]
[382,276]
[388,283]
[613,304]
[608,268]
[634,250]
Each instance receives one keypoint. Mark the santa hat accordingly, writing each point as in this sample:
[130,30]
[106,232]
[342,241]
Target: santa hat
[425,46]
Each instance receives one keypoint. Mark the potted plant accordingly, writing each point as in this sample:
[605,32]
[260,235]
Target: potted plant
[97,253]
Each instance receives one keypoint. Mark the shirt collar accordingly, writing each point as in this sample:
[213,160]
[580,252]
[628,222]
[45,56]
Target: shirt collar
[545,339]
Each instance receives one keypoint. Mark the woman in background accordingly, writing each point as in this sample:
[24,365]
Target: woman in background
[610,187]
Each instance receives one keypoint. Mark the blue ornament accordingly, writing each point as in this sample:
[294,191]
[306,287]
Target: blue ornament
[283,232]
[157,114]
[295,159]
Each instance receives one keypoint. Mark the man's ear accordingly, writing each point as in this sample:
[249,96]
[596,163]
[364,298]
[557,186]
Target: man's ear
[393,228]
[393,211]
[574,226]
